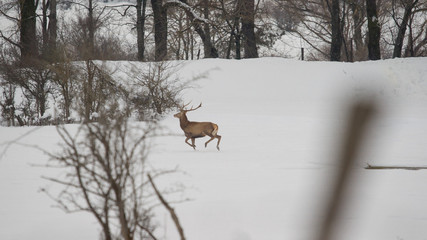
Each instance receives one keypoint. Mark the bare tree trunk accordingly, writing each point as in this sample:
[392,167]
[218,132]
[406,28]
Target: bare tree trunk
[88,94]
[236,35]
[203,31]
[160,29]
[52,27]
[397,52]
[91,30]
[374,30]
[124,225]
[187,41]
[45,35]
[28,38]
[247,8]
[409,51]
[230,42]
[140,27]
[336,40]
[210,50]
[237,41]
[358,16]
[49,29]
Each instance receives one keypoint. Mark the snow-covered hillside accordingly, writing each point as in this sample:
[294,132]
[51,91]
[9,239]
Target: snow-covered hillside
[281,122]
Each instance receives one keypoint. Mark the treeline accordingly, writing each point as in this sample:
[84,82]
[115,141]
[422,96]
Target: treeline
[49,48]
[159,30]
[163,29]
[355,30]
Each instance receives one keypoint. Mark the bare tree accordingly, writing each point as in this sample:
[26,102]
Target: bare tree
[97,92]
[180,32]
[23,36]
[64,74]
[408,6]
[156,89]
[336,38]
[171,211]
[247,8]
[358,14]
[315,24]
[210,50]
[138,22]
[230,10]
[374,30]
[84,30]
[141,6]
[417,36]
[105,164]
[35,81]
[237,28]
[160,29]
[200,25]
[28,39]
[49,29]
[7,103]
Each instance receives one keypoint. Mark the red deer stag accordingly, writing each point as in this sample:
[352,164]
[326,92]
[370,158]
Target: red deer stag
[195,130]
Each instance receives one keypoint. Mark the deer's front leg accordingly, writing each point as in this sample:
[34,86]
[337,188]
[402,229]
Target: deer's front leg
[192,141]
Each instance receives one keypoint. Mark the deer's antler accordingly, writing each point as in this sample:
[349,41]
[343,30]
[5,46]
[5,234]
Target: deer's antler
[192,109]
[183,106]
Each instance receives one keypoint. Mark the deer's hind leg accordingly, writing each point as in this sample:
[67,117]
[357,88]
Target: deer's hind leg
[219,140]
[212,138]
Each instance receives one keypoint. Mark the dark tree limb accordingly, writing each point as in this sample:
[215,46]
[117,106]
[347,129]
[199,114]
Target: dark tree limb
[169,208]
[374,30]
[359,119]
[381,167]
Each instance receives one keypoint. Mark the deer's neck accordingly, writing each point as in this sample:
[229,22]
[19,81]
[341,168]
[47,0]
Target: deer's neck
[183,121]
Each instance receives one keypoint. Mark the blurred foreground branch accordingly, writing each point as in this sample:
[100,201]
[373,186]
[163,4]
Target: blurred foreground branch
[378,167]
[169,208]
[360,116]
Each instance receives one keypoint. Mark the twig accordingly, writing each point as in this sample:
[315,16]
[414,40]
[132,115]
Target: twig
[379,167]
[169,208]
[8,144]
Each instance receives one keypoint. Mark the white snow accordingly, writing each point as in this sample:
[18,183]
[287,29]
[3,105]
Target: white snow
[281,122]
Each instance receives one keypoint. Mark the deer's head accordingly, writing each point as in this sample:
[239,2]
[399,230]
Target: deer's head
[183,111]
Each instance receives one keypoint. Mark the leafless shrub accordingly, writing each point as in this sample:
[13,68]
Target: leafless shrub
[7,103]
[156,89]
[105,165]
[111,47]
[97,91]
[34,81]
[63,79]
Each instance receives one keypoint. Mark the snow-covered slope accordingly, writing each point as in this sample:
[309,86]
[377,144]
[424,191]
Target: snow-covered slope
[281,122]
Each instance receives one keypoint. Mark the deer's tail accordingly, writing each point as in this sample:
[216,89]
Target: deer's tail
[215,130]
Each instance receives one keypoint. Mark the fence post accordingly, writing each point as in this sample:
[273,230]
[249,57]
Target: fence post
[302,54]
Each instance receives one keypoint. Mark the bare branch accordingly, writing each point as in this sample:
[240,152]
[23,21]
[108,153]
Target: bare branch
[383,167]
[169,208]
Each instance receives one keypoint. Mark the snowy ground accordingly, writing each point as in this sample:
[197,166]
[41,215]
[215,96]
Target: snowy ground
[281,122]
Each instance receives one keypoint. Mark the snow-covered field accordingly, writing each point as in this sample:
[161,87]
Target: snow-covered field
[281,122]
